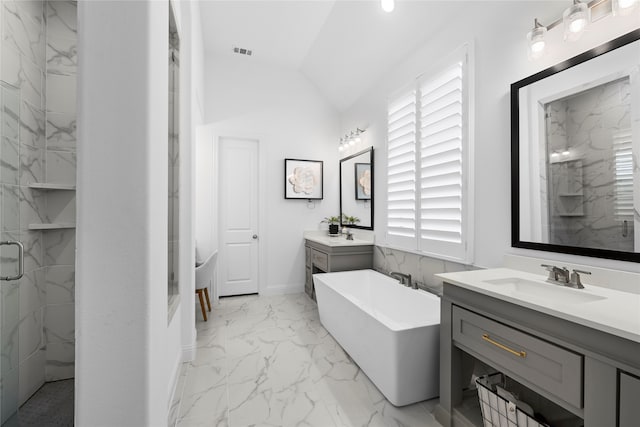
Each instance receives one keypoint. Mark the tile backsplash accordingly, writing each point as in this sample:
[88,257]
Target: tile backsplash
[422,268]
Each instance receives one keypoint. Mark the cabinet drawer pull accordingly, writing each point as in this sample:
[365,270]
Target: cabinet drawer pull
[520,353]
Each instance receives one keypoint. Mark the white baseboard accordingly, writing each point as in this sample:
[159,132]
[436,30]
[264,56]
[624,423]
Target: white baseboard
[189,353]
[282,289]
[174,380]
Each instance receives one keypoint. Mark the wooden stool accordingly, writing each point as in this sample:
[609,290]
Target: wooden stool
[206,294]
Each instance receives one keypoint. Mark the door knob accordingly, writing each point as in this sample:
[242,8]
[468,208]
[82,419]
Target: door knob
[255,237]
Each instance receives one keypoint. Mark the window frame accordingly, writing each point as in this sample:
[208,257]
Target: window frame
[459,252]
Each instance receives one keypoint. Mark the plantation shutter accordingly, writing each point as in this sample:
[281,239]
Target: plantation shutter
[442,145]
[623,184]
[401,170]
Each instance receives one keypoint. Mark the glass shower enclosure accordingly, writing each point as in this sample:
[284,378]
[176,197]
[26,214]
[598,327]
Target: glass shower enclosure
[11,253]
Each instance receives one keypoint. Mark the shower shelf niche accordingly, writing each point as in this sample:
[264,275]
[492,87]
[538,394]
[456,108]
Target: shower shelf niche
[59,197]
[46,186]
[52,226]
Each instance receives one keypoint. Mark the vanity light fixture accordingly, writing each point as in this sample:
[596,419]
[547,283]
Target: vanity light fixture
[535,37]
[623,7]
[350,139]
[387,5]
[575,18]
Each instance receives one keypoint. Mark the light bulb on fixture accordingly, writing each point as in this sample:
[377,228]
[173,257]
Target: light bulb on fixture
[387,5]
[356,137]
[623,7]
[575,19]
[535,37]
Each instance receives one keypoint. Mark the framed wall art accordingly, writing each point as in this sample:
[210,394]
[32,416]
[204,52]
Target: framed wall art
[363,181]
[303,179]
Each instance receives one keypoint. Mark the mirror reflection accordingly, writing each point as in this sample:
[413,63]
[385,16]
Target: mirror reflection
[356,190]
[577,137]
[589,164]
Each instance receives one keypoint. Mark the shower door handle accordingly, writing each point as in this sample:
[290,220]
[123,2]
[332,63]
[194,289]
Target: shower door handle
[20,259]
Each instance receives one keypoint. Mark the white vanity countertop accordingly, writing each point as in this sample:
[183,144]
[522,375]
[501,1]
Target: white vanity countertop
[610,310]
[334,241]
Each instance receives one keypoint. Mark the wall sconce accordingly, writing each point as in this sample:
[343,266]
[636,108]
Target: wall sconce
[350,139]
[575,20]
[535,37]
[623,7]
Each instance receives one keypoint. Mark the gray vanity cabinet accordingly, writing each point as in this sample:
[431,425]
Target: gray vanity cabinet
[629,406]
[547,365]
[590,375]
[325,259]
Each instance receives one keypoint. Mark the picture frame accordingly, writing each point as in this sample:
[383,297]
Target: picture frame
[363,181]
[303,179]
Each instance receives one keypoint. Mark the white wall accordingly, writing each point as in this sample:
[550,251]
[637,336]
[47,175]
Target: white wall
[126,354]
[206,207]
[498,32]
[121,308]
[281,109]
[192,87]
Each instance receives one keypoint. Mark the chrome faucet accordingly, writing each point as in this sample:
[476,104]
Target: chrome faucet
[561,276]
[405,279]
[557,275]
[575,281]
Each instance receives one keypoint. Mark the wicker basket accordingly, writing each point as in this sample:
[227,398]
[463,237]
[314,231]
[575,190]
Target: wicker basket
[497,411]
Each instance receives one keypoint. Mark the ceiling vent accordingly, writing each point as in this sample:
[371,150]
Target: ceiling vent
[242,51]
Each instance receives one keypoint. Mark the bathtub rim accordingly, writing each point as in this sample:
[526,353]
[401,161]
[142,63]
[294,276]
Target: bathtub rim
[433,322]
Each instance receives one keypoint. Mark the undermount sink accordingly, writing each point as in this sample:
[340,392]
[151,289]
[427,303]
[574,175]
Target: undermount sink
[540,290]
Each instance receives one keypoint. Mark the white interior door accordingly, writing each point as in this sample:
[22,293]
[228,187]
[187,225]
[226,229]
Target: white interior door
[238,266]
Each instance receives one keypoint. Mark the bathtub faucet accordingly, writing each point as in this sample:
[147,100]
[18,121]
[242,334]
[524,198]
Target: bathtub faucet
[405,279]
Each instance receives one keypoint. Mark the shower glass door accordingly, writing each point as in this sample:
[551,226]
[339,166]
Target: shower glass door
[10,252]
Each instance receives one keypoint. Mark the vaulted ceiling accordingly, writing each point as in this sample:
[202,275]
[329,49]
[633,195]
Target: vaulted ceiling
[343,47]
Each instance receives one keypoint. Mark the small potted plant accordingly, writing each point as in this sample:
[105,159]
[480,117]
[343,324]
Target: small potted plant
[350,220]
[333,222]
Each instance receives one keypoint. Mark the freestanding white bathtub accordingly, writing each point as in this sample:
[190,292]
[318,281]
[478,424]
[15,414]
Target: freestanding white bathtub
[392,332]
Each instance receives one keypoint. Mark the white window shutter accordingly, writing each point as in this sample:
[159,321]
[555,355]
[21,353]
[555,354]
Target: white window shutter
[442,146]
[401,171]
[429,205]
[623,183]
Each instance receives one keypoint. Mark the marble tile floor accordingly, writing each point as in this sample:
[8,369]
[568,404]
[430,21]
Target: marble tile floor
[267,361]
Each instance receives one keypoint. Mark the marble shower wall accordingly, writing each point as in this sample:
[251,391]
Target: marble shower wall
[60,132]
[22,159]
[422,268]
[582,195]
[174,163]
[37,64]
